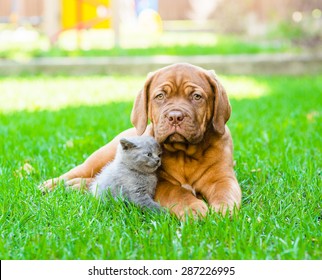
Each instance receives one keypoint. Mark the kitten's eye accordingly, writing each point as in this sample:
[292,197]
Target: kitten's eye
[149,154]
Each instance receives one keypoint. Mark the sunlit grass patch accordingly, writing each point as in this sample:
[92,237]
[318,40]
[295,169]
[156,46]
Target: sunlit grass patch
[54,93]
[245,87]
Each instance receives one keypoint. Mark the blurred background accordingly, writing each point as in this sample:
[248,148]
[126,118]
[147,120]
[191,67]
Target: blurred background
[42,28]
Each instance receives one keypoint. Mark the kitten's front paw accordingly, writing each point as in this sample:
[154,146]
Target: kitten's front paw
[158,209]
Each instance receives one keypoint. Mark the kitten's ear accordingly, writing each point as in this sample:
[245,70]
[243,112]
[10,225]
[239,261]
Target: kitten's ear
[126,144]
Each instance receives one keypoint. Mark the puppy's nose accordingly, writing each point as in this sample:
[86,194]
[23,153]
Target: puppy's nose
[175,117]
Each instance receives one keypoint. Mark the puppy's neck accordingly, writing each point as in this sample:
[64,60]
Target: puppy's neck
[193,150]
[188,149]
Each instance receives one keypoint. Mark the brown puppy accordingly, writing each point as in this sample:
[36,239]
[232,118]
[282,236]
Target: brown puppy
[188,109]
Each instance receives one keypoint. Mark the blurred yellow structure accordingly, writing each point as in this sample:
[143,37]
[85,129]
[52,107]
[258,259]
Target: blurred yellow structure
[150,21]
[85,14]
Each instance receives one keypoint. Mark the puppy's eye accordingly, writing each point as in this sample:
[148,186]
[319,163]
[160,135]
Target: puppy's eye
[160,96]
[196,96]
[149,154]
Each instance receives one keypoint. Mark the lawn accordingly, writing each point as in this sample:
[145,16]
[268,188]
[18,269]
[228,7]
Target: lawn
[97,43]
[50,124]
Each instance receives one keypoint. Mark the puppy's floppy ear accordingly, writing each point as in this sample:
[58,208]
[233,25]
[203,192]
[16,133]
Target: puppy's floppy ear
[139,115]
[222,107]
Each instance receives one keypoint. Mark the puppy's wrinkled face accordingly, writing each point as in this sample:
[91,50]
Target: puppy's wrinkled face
[181,103]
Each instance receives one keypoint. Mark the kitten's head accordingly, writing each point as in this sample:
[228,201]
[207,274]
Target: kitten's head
[141,153]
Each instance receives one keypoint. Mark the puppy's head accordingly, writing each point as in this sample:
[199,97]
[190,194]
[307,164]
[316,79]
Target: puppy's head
[182,101]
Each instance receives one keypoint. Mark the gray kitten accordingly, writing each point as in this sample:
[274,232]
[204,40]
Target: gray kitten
[132,174]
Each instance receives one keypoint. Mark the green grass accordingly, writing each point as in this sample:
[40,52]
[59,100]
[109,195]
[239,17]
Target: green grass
[50,124]
[141,44]
[220,46]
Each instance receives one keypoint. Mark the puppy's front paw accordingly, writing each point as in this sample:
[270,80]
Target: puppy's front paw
[224,207]
[50,184]
[197,209]
[81,184]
